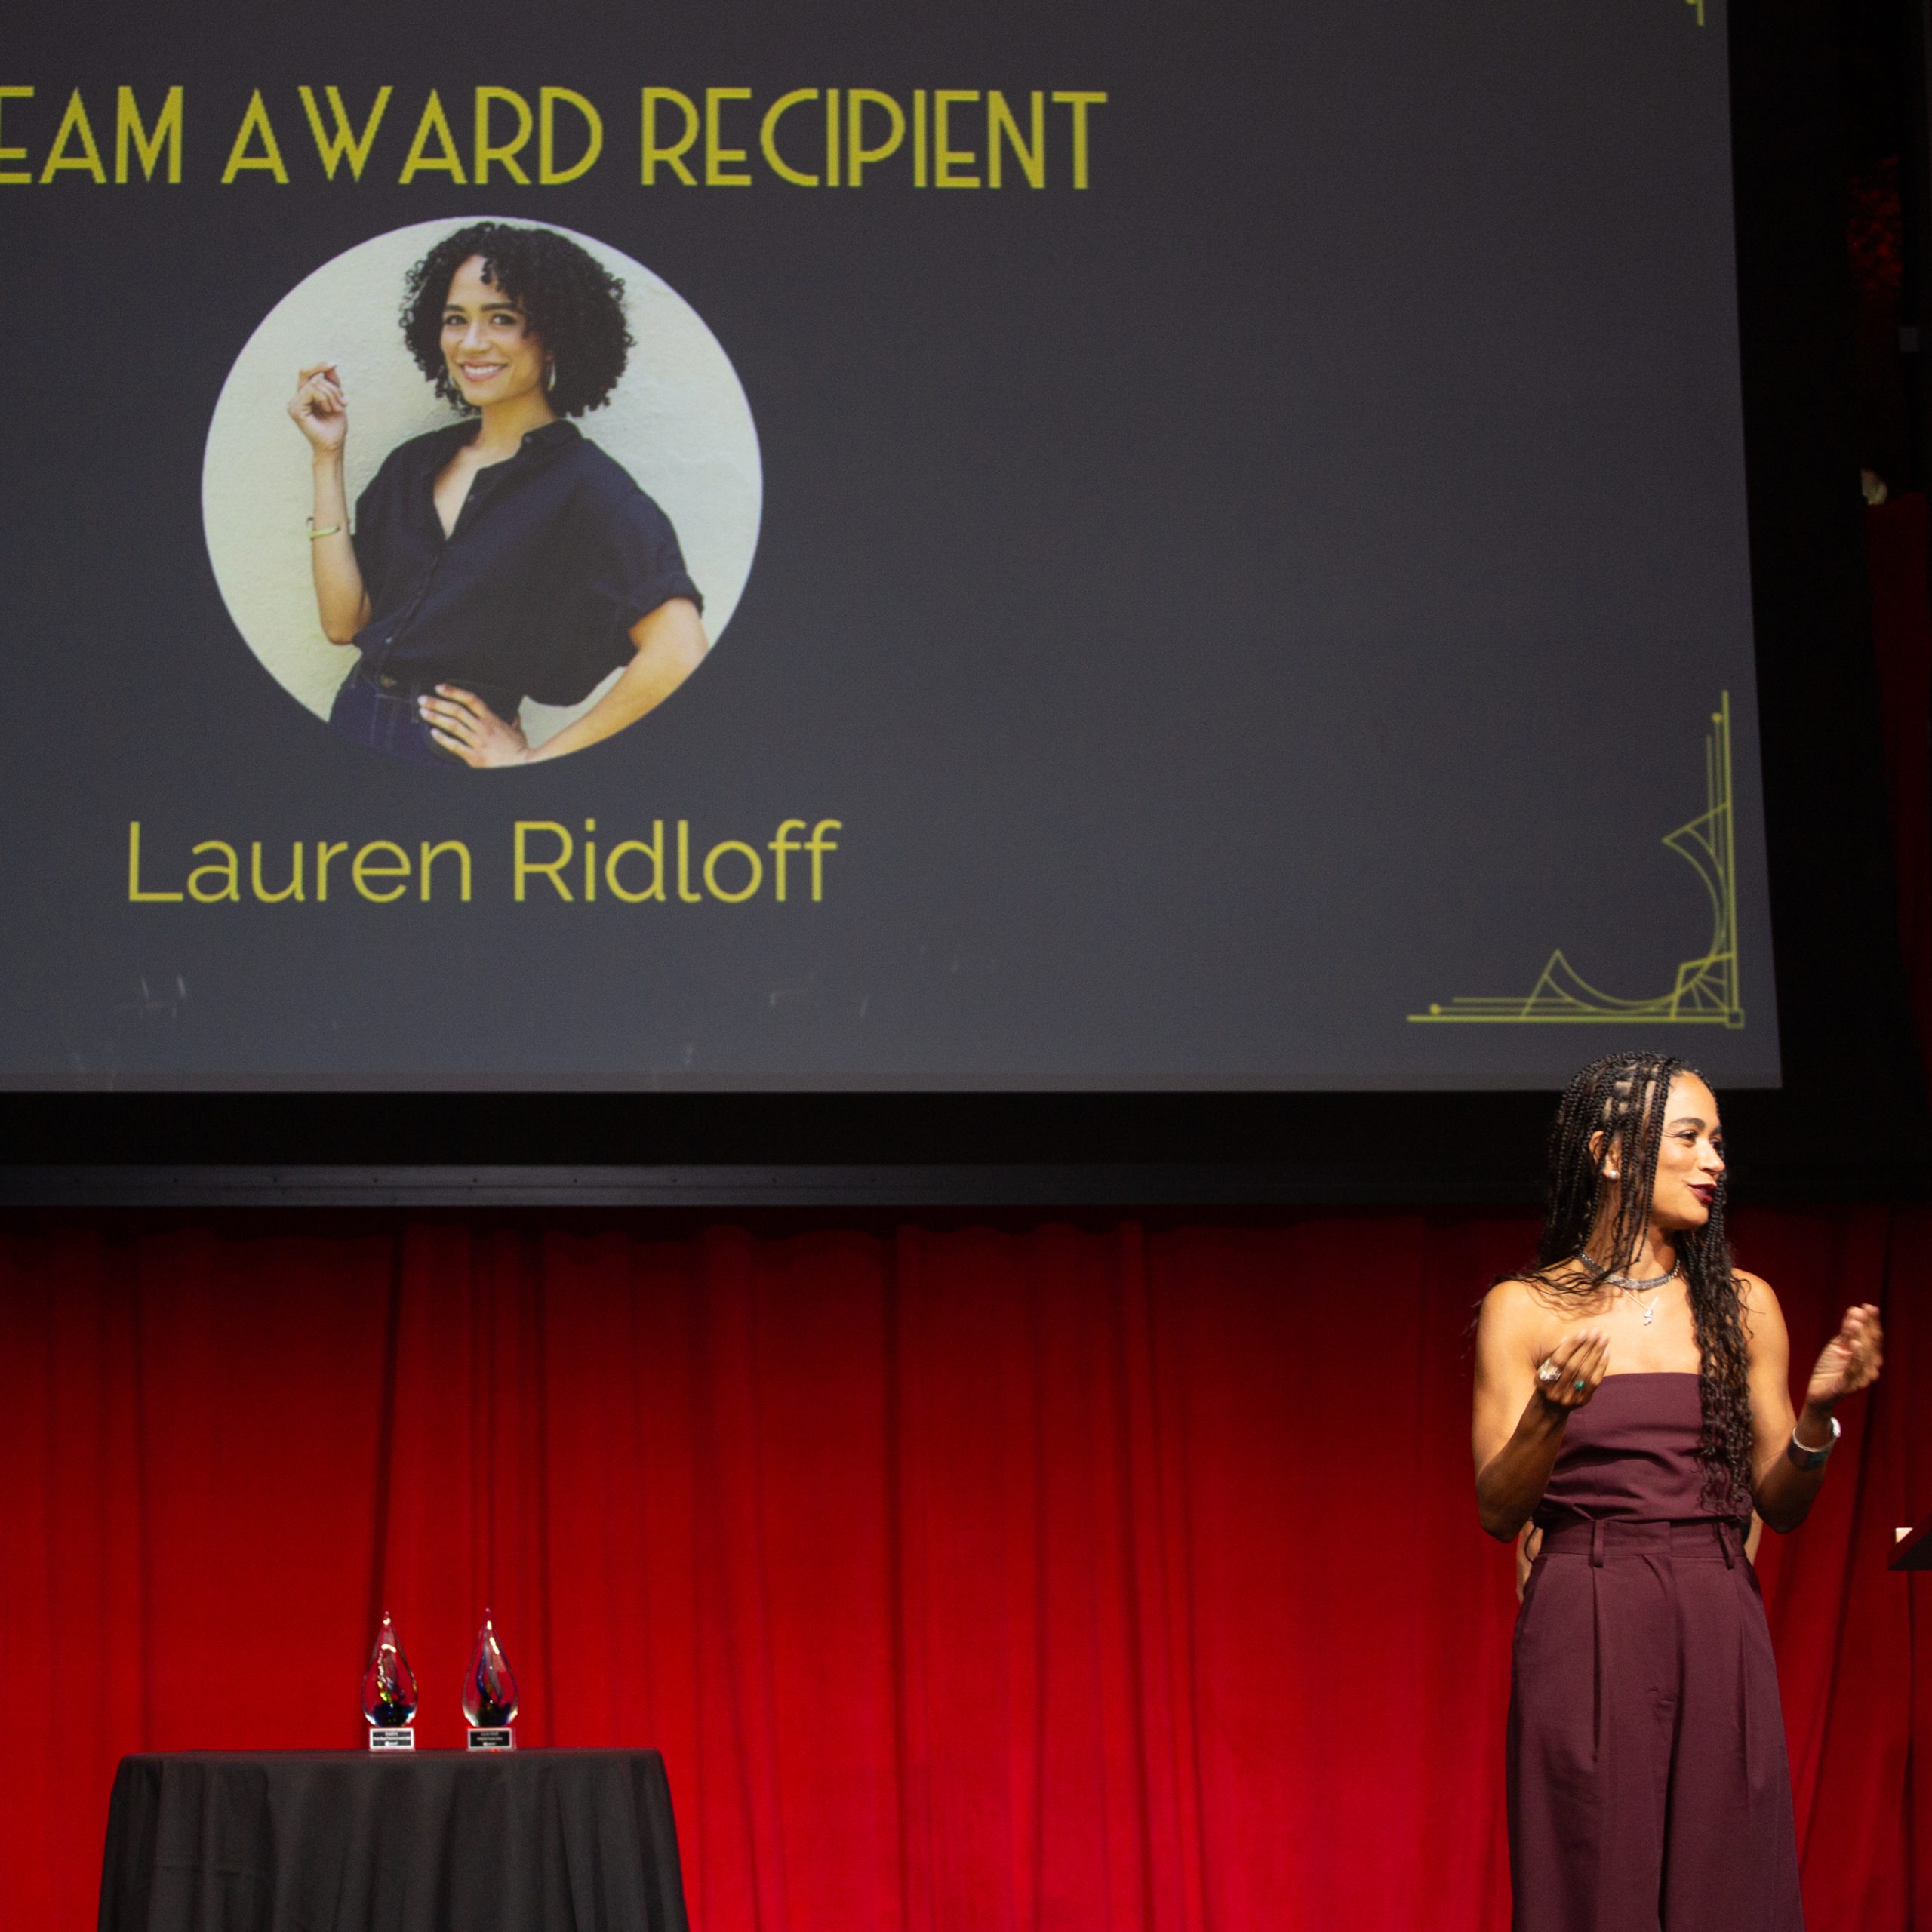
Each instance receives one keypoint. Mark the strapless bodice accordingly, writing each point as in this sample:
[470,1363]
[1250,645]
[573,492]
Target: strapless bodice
[1630,1455]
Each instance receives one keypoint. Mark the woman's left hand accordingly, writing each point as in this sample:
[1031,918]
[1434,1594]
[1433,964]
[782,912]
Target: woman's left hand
[1851,1360]
[461,722]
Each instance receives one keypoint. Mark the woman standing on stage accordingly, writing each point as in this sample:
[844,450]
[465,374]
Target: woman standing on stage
[1632,1399]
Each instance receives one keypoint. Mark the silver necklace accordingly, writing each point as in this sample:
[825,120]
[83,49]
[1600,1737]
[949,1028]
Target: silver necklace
[1633,1287]
[1650,1308]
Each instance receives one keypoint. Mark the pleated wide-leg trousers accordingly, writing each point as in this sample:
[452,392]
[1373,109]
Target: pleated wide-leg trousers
[1649,1790]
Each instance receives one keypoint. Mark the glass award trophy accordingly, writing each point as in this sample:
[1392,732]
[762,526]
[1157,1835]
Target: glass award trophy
[389,1693]
[489,1693]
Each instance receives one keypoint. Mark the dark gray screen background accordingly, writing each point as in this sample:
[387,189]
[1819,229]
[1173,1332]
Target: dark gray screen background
[1228,610]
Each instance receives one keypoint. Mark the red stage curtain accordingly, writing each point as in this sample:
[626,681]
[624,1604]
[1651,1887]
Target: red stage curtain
[1063,1577]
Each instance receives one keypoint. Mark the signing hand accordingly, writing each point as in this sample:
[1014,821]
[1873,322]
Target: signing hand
[1851,1360]
[1580,1360]
[461,722]
[320,406]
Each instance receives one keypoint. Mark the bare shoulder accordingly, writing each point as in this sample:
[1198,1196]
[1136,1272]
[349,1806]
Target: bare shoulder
[1508,1309]
[1762,1320]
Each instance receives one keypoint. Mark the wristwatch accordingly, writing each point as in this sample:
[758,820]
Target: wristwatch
[1812,1459]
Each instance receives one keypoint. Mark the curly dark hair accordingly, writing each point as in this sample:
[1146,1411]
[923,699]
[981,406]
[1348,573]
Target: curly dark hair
[1622,1096]
[574,305]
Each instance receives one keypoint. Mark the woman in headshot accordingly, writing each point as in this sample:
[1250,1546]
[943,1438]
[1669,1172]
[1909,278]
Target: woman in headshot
[505,557]
[1631,1398]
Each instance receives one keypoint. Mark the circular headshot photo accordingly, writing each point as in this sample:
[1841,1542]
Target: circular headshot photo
[482,492]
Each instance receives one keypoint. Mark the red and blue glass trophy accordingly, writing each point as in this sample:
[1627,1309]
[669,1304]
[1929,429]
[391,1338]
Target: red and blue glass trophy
[489,1694]
[389,1693]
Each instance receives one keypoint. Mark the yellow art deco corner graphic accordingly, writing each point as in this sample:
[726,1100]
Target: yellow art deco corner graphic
[1706,992]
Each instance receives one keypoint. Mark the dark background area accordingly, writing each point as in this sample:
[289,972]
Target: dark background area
[1832,244]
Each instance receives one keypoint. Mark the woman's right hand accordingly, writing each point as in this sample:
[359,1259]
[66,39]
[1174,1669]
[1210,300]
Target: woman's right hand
[1529,1377]
[321,408]
[1579,1361]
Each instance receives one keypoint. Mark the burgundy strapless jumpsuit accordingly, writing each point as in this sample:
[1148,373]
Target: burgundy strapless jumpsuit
[1648,1784]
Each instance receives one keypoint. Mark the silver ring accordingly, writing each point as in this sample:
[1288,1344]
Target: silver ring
[1547,1373]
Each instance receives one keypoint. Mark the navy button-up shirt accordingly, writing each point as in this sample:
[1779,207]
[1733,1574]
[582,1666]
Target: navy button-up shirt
[556,554]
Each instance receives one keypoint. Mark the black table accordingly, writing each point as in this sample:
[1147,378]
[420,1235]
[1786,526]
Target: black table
[417,1841]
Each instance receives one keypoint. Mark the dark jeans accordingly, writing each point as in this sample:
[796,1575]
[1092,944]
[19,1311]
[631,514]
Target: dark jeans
[383,714]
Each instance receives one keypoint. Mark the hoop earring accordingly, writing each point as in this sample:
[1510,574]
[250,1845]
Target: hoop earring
[549,373]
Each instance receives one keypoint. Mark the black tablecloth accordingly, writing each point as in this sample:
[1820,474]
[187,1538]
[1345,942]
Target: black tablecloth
[418,1841]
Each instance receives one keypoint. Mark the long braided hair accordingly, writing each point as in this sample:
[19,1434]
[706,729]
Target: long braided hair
[1623,1096]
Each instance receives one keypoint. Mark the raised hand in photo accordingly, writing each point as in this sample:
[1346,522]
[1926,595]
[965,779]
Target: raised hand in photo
[320,408]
